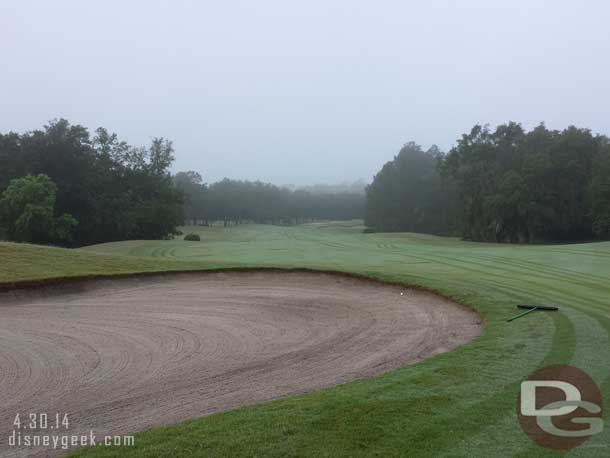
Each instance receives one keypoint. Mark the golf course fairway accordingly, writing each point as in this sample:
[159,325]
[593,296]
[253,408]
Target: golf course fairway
[456,404]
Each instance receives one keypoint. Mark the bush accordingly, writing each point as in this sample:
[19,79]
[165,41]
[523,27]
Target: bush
[368,230]
[192,237]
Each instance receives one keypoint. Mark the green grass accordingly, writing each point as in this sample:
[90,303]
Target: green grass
[459,404]
[24,263]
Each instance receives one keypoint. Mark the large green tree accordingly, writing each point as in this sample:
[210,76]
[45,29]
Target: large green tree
[27,212]
[115,191]
[408,194]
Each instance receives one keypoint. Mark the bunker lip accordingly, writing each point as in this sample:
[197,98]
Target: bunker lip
[57,284]
[140,351]
[73,280]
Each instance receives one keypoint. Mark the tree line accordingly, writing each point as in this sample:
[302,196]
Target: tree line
[98,188]
[235,201]
[501,185]
[62,185]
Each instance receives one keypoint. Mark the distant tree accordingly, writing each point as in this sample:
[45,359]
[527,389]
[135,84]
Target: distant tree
[161,156]
[234,202]
[356,187]
[12,164]
[27,212]
[599,191]
[194,190]
[156,205]
[108,147]
[408,194]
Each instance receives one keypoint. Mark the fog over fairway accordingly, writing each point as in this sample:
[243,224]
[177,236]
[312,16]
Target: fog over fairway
[301,93]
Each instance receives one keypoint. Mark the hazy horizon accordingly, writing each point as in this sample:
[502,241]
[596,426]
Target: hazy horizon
[301,93]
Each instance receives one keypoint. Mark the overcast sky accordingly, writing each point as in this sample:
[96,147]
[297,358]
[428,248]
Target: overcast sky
[302,92]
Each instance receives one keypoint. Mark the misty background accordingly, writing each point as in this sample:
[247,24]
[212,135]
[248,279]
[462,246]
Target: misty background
[301,93]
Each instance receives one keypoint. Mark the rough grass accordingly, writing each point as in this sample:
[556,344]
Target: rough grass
[459,404]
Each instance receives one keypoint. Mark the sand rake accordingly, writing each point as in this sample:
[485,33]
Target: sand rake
[532,308]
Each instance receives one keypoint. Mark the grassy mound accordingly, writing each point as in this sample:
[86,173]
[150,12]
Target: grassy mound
[23,263]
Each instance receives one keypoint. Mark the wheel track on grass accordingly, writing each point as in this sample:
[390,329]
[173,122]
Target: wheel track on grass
[587,331]
[584,339]
[475,418]
[544,276]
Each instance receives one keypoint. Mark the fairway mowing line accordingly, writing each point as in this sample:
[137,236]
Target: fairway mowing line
[493,414]
[551,272]
[595,254]
[592,353]
[525,280]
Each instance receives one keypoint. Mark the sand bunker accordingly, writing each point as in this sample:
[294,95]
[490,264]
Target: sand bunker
[120,356]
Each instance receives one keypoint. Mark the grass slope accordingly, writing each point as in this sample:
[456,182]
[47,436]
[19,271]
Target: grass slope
[22,263]
[459,404]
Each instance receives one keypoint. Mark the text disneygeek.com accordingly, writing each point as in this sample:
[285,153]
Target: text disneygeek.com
[51,431]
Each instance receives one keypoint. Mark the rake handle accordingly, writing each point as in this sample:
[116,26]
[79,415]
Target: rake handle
[522,314]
